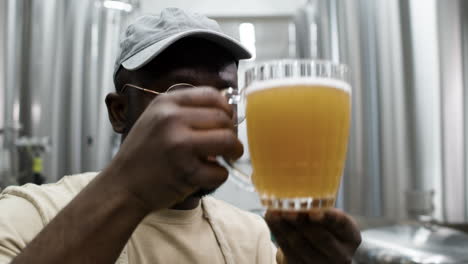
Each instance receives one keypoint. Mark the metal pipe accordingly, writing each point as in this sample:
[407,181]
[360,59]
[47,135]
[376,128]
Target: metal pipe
[464,29]
[3,16]
[451,90]
[12,78]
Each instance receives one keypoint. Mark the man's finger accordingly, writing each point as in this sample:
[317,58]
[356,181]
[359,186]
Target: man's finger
[317,237]
[208,175]
[206,118]
[290,252]
[219,142]
[320,238]
[342,226]
[201,97]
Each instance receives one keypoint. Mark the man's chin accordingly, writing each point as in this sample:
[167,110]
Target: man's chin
[203,192]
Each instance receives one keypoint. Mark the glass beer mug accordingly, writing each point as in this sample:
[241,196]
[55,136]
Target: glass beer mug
[297,114]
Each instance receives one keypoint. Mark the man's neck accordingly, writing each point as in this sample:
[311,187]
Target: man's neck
[188,204]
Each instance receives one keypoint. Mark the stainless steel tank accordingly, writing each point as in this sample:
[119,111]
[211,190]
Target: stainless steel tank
[413,244]
[61,57]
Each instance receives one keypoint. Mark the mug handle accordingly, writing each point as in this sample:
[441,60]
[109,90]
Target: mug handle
[236,175]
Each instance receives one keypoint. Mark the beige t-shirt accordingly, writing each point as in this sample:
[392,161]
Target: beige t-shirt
[214,232]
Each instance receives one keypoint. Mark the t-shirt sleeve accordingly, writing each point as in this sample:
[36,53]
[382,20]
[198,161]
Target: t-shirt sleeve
[20,222]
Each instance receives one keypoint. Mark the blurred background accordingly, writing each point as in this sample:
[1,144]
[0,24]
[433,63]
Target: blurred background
[407,157]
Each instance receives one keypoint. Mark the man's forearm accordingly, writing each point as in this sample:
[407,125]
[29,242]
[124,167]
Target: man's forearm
[93,228]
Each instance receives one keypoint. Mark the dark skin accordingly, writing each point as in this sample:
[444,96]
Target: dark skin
[163,163]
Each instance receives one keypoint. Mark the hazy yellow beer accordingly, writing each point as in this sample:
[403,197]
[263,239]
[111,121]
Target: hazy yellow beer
[298,134]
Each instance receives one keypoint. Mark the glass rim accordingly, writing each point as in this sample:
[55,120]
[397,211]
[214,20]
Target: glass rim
[257,64]
[294,68]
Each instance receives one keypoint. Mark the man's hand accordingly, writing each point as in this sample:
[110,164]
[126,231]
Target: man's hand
[316,237]
[165,157]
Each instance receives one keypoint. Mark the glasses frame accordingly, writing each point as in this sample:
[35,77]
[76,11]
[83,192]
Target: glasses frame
[154,92]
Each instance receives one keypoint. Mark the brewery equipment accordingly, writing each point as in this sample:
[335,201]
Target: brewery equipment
[57,63]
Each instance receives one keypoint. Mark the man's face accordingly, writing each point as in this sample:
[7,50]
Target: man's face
[196,62]
[192,61]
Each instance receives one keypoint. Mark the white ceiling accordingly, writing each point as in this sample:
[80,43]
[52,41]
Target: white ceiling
[226,8]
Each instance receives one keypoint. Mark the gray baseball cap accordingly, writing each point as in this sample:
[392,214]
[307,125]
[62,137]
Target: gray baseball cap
[150,35]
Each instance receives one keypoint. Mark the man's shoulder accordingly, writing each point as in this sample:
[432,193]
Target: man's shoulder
[49,199]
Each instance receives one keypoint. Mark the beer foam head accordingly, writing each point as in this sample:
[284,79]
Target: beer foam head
[305,81]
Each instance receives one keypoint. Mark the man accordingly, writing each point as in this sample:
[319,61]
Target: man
[173,120]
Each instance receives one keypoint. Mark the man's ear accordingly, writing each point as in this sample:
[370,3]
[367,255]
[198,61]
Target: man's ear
[117,106]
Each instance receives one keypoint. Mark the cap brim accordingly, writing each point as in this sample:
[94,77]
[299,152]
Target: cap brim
[143,57]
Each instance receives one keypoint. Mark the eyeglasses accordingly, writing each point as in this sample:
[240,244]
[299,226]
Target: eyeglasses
[232,95]
[177,86]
